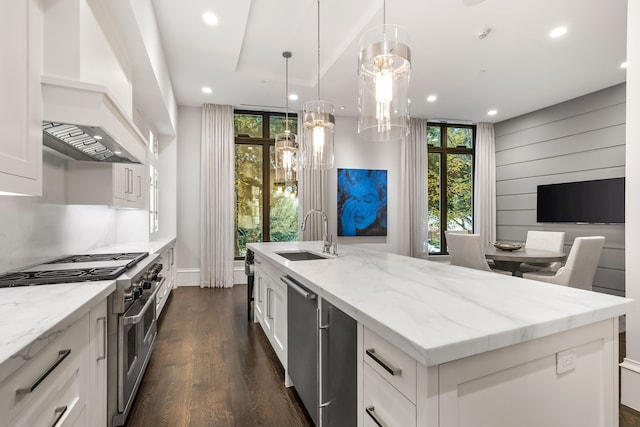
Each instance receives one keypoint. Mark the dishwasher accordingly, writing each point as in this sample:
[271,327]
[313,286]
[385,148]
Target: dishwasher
[321,356]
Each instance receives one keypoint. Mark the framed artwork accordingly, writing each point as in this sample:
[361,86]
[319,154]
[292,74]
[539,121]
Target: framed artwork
[362,202]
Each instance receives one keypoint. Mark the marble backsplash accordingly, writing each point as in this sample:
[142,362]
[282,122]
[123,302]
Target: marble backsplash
[34,229]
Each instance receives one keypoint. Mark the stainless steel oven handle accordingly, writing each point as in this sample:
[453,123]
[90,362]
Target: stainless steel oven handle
[307,295]
[132,320]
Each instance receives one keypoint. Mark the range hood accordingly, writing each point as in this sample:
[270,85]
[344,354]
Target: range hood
[83,121]
[84,143]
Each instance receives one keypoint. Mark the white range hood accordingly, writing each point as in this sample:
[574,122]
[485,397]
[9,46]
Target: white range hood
[74,113]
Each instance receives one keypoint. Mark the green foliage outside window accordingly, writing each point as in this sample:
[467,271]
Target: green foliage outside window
[449,167]
[254,187]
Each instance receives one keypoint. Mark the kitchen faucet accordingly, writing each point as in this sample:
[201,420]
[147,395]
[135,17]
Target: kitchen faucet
[327,244]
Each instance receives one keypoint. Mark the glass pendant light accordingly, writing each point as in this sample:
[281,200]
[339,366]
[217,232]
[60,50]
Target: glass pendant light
[384,67]
[287,145]
[319,121]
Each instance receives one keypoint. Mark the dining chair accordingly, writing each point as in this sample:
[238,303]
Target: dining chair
[547,240]
[580,268]
[466,250]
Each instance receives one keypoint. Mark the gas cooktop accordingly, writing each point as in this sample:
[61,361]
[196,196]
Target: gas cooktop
[74,268]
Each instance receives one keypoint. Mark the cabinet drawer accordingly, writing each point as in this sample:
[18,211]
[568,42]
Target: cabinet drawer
[268,269]
[65,407]
[385,358]
[46,372]
[384,403]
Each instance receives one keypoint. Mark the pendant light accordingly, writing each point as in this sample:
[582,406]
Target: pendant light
[319,121]
[384,66]
[287,146]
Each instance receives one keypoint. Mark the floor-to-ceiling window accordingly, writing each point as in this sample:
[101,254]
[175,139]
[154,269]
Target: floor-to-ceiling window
[450,181]
[266,211]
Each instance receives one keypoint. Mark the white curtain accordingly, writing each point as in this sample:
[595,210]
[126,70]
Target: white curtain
[484,204]
[216,196]
[312,194]
[413,191]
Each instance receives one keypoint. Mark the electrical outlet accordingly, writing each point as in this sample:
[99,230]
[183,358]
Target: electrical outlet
[566,360]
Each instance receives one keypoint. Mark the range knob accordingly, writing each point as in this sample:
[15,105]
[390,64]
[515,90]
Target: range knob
[146,284]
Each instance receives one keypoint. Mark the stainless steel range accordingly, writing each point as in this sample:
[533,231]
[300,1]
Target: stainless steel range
[132,333]
[131,326]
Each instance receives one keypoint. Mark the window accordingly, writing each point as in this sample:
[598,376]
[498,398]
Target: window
[451,150]
[265,212]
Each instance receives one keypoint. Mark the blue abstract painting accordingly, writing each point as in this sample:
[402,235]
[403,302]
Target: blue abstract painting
[362,202]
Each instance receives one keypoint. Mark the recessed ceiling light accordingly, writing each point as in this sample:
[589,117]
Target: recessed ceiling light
[431,98]
[492,112]
[293,97]
[623,65]
[207,90]
[557,32]
[210,18]
[342,108]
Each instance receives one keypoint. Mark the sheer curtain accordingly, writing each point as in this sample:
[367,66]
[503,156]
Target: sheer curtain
[216,196]
[312,194]
[484,204]
[413,190]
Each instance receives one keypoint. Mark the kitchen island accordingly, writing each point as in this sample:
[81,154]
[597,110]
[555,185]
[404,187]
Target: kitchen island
[474,348]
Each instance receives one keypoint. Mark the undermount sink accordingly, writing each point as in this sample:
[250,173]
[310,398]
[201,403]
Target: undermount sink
[300,255]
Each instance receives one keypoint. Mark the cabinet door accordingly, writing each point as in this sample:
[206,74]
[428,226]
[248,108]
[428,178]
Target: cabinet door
[97,399]
[121,181]
[279,321]
[21,100]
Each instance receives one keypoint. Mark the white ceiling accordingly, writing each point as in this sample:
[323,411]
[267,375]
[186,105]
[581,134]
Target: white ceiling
[516,69]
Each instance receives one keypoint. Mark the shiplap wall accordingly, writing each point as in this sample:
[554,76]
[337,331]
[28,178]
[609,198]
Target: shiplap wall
[577,140]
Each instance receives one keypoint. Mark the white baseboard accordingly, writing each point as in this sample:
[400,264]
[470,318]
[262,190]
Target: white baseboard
[630,383]
[191,276]
[188,277]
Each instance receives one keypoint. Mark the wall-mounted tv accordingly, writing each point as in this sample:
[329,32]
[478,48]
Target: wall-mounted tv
[598,201]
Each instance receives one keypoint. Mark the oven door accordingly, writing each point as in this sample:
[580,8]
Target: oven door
[136,336]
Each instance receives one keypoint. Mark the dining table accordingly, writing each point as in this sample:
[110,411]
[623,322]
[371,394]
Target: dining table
[510,260]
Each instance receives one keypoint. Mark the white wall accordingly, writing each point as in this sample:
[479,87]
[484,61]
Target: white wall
[188,185]
[350,152]
[631,366]
[34,229]
[577,140]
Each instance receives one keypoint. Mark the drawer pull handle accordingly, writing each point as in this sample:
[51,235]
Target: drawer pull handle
[380,361]
[372,413]
[59,412]
[61,356]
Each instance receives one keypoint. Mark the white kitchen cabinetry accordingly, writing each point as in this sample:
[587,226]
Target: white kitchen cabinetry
[64,384]
[270,303]
[167,258]
[21,100]
[120,185]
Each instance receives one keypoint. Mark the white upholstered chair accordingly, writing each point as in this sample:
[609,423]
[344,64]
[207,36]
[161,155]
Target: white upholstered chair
[547,240]
[581,265]
[466,250]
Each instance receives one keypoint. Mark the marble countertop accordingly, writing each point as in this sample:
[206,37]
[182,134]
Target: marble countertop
[32,316]
[437,312]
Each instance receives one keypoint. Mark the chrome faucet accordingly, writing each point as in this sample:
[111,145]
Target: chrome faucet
[327,244]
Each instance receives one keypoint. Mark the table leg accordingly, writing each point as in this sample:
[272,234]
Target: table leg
[511,266]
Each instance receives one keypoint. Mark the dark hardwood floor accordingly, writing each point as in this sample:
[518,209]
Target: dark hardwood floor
[211,367]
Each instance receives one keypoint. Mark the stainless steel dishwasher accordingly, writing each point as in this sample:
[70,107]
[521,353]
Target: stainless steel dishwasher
[321,356]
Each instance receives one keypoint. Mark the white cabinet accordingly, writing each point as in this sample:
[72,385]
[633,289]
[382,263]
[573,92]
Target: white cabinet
[167,258]
[389,378]
[270,306]
[121,185]
[21,100]
[64,384]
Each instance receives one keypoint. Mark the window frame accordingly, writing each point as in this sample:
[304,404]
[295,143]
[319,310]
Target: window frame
[267,144]
[444,150]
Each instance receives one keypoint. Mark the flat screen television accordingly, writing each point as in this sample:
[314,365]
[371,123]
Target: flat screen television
[598,201]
